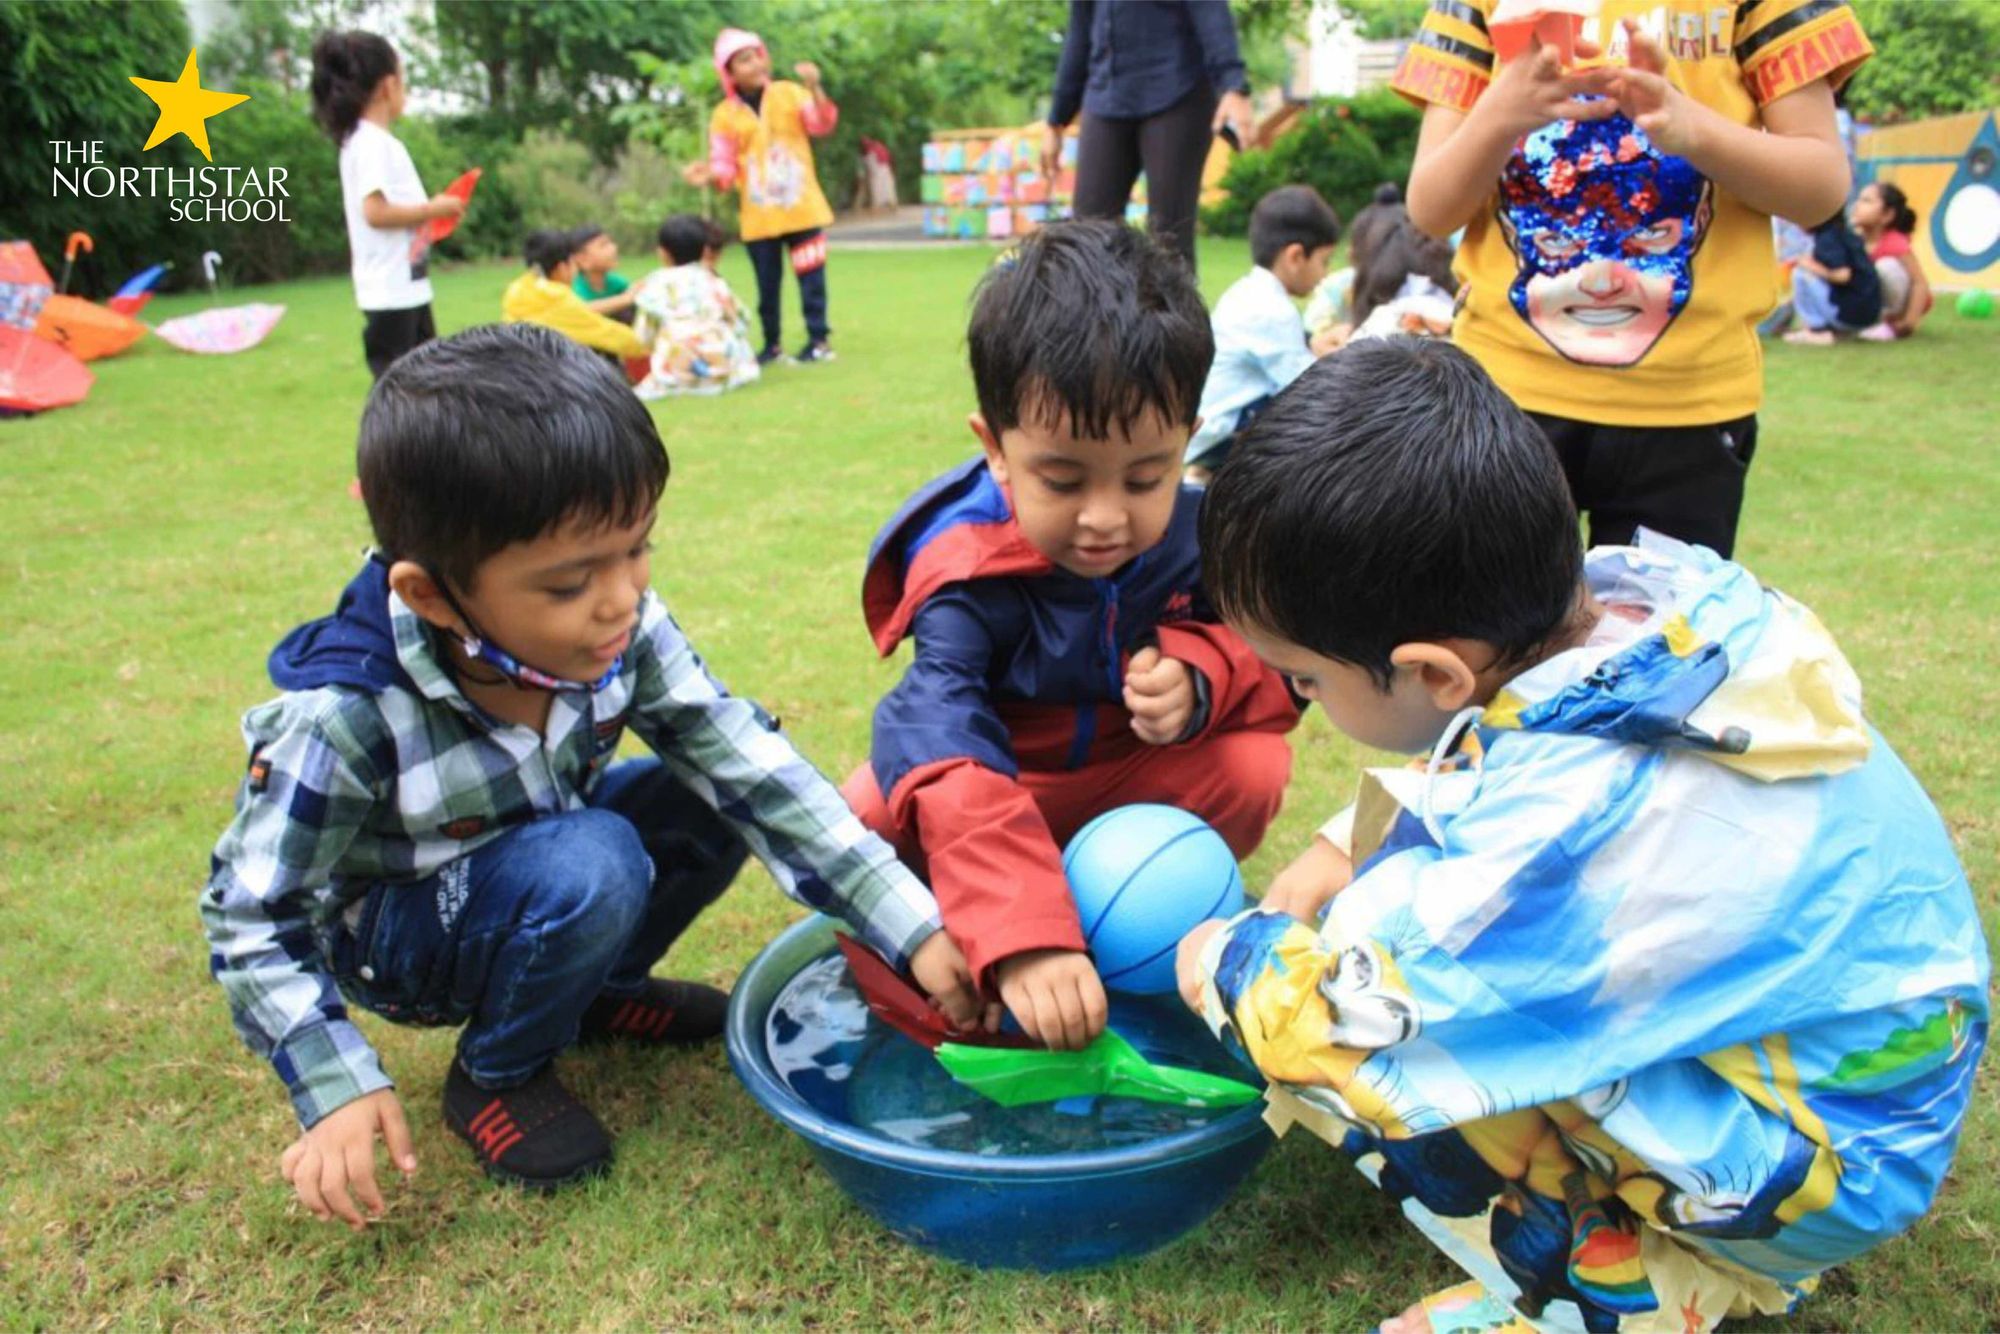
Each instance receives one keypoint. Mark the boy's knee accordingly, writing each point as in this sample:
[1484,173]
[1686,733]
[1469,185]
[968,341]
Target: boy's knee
[1248,773]
[590,873]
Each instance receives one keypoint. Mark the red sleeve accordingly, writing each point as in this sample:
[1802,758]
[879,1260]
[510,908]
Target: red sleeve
[819,115]
[1243,694]
[992,863]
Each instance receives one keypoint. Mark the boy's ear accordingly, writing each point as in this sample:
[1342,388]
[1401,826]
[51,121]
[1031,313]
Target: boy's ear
[996,462]
[1443,673]
[413,583]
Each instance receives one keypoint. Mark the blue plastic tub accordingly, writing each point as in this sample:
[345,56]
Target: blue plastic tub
[1048,1212]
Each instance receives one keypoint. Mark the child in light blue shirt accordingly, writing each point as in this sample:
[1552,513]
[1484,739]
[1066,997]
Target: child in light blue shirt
[1260,339]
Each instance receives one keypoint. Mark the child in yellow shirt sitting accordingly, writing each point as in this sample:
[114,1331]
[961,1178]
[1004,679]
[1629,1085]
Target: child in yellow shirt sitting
[543,295]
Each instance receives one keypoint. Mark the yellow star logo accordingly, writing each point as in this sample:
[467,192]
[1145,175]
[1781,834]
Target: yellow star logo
[185,107]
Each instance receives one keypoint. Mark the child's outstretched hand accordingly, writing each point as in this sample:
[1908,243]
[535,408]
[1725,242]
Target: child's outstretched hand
[1187,963]
[333,1164]
[808,74]
[697,174]
[1055,995]
[940,969]
[1309,883]
[1160,693]
[1670,118]
[1530,92]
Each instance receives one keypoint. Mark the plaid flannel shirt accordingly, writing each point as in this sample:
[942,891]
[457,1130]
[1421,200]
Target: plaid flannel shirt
[347,789]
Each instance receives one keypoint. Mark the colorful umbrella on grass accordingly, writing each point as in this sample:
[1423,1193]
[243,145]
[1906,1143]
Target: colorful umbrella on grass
[224,329]
[138,290]
[86,329]
[1011,1070]
[36,375]
[24,284]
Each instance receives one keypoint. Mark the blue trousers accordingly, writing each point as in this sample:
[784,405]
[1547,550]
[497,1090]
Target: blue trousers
[516,940]
[768,259]
[1812,296]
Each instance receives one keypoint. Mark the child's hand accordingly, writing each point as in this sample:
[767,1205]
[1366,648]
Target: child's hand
[1309,883]
[1056,996]
[1330,339]
[808,74]
[697,174]
[941,970]
[1187,962]
[333,1164]
[1670,118]
[445,206]
[1160,693]
[1530,92]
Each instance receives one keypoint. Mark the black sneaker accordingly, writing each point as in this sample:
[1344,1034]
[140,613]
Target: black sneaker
[812,353]
[536,1135]
[665,1012]
[772,355]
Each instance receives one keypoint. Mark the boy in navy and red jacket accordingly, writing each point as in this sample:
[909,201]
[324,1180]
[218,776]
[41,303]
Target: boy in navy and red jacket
[1066,659]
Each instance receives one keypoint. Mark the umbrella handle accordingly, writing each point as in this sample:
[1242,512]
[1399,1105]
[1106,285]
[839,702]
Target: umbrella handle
[77,241]
[209,262]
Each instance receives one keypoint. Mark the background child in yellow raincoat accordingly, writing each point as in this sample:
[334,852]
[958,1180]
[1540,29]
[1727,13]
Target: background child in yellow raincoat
[760,141]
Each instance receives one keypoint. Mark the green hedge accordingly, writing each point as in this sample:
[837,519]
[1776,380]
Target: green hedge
[1343,147]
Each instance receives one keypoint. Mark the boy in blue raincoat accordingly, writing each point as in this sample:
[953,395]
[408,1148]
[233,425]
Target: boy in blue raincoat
[1658,988]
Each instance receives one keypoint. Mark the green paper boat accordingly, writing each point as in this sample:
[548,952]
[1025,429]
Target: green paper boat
[1016,1077]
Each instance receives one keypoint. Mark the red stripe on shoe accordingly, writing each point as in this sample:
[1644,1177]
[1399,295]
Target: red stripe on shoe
[623,1019]
[493,1153]
[486,1114]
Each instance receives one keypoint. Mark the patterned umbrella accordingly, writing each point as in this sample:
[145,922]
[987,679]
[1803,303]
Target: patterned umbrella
[24,284]
[36,375]
[224,329]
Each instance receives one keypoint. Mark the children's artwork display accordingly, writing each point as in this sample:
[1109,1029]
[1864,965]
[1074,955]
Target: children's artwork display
[989,183]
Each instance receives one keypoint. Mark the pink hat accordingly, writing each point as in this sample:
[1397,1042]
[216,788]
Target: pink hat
[728,43]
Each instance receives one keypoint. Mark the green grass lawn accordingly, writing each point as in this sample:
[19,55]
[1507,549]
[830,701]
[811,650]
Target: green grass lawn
[160,538]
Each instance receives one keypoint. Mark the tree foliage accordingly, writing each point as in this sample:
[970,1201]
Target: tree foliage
[1932,58]
[1342,147]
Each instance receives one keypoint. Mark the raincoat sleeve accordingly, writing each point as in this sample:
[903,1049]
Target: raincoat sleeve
[1523,960]
[732,755]
[723,150]
[945,765]
[1242,695]
[586,326]
[817,115]
[307,792]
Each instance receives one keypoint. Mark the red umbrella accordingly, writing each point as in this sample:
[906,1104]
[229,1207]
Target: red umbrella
[36,375]
[461,190]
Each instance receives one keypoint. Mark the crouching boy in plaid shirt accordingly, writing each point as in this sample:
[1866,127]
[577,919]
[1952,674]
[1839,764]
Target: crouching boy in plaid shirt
[432,826]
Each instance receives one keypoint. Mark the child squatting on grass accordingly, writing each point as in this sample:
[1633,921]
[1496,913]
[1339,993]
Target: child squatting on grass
[1658,978]
[432,826]
[1067,660]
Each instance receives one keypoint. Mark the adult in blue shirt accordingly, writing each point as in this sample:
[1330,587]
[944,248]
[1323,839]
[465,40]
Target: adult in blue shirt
[1155,79]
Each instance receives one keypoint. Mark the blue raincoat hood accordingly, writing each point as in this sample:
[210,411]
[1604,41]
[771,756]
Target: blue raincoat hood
[354,647]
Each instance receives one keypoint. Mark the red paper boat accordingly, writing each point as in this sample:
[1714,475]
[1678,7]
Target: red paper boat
[461,189]
[898,1003]
[1515,24]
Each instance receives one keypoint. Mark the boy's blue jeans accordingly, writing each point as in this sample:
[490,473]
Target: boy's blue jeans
[516,940]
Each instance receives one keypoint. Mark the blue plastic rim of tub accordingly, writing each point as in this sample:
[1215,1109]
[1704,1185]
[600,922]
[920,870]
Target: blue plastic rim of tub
[1046,1212]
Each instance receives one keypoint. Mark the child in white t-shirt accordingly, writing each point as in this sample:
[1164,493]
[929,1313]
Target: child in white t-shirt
[357,93]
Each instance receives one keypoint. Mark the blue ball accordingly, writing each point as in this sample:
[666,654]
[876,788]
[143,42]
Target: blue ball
[1143,877]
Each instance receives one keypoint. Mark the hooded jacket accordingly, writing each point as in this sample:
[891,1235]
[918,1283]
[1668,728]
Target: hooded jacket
[1674,925]
[767,150]
[1020,664]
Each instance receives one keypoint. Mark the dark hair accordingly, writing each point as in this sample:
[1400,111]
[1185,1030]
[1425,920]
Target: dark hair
[1291,215]
[347,68]
[1399,252]
[579,237]
[684,236]
[1090,322]
[546,249]
[1393,494]
[497,435]
[1379,216]
[1902,218]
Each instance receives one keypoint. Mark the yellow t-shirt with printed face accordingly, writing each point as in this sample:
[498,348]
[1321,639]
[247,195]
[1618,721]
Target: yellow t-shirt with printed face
[1606,281]
[779,190]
